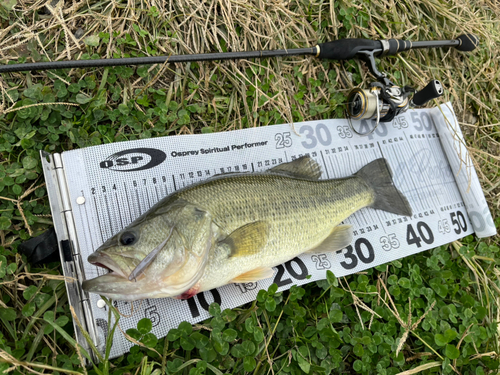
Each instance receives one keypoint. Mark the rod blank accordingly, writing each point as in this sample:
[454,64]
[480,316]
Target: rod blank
[342,49]
[154,60]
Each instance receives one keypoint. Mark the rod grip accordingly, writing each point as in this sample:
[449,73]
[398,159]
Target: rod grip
[398,45]
[345,49]
[432,91]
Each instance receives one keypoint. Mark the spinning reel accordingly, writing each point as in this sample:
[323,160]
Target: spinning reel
[384,100]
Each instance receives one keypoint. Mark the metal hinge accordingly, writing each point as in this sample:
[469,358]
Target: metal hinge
[71,261]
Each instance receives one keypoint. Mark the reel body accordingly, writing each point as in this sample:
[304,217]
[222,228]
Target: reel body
[383,101]
[370,104]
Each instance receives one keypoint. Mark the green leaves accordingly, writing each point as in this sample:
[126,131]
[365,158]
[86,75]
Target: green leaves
[8,314]
[338,325]
[8,4]
[270,298]
[244,349]
[451,352]
[5,223]
[144,326]
[29,162]
[82,99]
[143,334]
[331,278]
[229,335]
[443,339]
[249,364]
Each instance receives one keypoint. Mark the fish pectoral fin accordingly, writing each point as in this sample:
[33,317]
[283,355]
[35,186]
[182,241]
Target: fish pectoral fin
[248,239]
[260,273]
[340,237]
[304,167]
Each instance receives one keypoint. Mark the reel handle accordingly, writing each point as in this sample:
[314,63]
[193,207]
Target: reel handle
[432,91]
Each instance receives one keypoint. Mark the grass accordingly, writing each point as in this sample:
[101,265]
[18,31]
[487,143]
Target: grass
[435,312]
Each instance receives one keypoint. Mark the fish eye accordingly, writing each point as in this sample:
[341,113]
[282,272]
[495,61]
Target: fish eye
[128,238]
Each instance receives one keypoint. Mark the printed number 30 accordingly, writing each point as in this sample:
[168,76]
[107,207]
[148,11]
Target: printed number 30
[320,133]
[353,259]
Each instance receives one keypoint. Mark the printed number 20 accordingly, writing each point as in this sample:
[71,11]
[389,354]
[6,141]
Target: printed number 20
[288,265]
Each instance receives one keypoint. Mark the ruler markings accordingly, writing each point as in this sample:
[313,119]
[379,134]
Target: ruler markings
[111,229]
[128,203]
[147,196]
[138,202]
[341,164]
[175,186]
[324,165]
[98,219]
[157,196]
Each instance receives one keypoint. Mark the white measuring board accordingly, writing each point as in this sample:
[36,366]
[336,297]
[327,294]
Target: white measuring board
[109,186]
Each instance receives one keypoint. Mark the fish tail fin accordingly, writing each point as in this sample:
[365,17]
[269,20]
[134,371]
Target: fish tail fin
[378,175]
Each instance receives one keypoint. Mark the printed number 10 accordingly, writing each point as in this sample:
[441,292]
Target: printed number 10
[193,307]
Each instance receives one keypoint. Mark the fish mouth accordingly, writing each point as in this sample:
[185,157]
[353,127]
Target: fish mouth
[105,261]
[114,284]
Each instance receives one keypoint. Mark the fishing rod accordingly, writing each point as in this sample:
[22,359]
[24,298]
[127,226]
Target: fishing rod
[381,102]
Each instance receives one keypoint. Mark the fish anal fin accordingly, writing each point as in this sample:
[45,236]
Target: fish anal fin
[340,237]
[254,275]
[304,167]
[248,239]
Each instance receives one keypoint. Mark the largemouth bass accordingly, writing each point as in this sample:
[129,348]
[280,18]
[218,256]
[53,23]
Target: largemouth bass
[236,227]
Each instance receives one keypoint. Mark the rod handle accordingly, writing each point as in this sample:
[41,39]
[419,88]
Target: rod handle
[432,91]
[346,49]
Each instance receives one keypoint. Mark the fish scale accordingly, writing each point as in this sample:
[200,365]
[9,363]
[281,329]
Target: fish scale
[301,214]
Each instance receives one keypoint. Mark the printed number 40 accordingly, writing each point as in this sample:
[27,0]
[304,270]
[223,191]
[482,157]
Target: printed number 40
[424,234]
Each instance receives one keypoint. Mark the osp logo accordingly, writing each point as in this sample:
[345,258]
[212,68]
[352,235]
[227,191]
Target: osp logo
[135,159]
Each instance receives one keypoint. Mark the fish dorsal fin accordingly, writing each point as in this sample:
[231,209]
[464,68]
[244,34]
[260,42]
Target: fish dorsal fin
[340,237]
[260,273]
[304,167]
[248,239]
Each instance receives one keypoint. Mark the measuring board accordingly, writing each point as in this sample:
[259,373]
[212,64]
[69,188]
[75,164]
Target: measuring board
[95,192]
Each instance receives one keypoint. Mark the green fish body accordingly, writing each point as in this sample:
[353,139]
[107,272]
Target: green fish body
[246,224]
